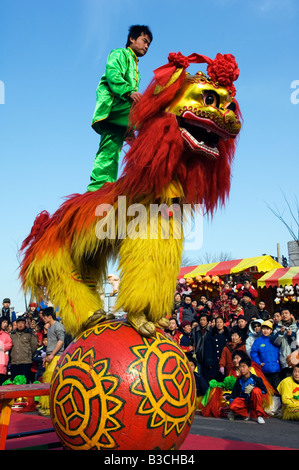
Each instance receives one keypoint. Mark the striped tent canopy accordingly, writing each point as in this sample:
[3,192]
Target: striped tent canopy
[280,277]
[260,263]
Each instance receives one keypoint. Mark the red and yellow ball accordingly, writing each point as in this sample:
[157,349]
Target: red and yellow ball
[114,389]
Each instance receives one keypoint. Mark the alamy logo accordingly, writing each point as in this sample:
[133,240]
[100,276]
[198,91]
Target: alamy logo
[295,93]
[156,221]
[2,93]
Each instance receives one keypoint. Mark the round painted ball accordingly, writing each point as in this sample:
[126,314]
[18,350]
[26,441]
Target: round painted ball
[115,389]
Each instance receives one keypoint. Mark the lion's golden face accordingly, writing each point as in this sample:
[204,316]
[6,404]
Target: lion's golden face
[205,114]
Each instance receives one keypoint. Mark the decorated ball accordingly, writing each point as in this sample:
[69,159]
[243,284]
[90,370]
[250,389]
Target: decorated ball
[117,390]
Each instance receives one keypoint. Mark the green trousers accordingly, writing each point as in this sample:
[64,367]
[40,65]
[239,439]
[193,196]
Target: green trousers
[113,131]
[105,167]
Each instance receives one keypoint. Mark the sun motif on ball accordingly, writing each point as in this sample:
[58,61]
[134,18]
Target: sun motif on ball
[81,392]
[114,389]
[169,404]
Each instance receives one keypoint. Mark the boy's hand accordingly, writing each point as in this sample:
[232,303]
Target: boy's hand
[135,97]
[249,389]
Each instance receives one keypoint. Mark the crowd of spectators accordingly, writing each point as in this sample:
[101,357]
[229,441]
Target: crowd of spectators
[27,342]
[211,331]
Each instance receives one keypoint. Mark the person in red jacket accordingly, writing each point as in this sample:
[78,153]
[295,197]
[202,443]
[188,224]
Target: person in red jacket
[248,287]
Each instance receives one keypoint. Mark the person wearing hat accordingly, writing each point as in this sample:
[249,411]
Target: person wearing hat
[266,354]
[6,309]
[24,345]
[254,332]
[249,309]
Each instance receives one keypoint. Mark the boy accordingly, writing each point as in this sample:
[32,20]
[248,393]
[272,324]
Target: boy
[246,396]
[116,93]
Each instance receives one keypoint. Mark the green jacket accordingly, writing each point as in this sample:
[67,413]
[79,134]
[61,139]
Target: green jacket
[120,79]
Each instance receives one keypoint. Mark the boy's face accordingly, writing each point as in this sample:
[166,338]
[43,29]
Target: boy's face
[262,305]
[266,331]
[140,45]
[244,369]
[188,300]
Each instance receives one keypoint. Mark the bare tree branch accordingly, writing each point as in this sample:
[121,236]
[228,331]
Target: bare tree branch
[294,216]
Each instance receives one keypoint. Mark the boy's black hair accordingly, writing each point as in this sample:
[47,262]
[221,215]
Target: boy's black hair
[49,311]
[136,30]
[245,360]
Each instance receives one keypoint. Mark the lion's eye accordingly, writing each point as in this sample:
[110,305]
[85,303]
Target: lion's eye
[211,99]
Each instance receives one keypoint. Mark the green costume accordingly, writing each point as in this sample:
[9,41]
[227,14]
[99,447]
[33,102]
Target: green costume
[111,114]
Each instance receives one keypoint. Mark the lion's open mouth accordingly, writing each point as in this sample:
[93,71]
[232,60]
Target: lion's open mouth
[199,138]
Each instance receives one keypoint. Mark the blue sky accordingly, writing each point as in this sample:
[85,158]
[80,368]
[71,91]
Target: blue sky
[52,55]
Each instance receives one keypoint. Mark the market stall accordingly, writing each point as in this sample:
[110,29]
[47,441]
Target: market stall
[284,283]
[210,278]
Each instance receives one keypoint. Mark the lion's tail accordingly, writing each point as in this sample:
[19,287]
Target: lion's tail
[40,224]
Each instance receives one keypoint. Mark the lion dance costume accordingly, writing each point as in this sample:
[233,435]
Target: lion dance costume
[187,128]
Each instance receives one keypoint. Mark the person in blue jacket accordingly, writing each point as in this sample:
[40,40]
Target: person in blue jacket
[266,355]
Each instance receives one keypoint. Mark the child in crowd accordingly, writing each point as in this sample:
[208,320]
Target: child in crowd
[246,397]
[266,354]
[289,392]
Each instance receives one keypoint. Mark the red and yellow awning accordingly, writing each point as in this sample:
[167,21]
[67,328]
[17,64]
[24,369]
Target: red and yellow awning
[261,263]
[280,277]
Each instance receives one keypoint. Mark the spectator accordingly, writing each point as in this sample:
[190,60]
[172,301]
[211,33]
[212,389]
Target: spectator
[4,324]
[241,327]
[6,309]
[255,330]
[38,359]
[249,309]
[186,311]
[226,362]
[266,355]
[185,339]
[232,321]
[177,301]
[199,333]
[213,347]
[5,347]
[221,307]
[288,390]
[209,305]
[276,318]
[172,330]
[204,299]
[55,348]
[261,310]
[283,336]
[32,311]
[235,307]
[24,345]
[248,288]
[246,398]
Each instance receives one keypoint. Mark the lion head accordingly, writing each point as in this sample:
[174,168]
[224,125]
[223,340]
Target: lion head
[187,128]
